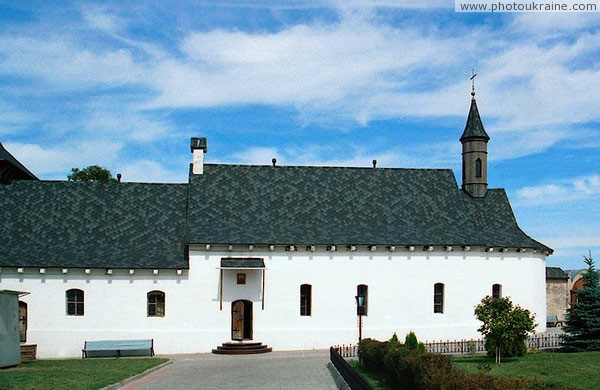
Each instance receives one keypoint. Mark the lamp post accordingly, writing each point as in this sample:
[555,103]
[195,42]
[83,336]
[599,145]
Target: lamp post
[360,307]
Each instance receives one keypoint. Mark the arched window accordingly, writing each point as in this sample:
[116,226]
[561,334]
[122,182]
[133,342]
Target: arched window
[305,299]
[156,304]
[478,171]
[75,305]
[438,298]
[363,290]
[497,291]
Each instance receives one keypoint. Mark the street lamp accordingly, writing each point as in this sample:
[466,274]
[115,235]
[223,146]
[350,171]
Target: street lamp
[360,308]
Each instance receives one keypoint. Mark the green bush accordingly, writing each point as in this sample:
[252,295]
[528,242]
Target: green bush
[460,380]
[412,342]
[395,371]
[409,369]
[407,366]
[371,353]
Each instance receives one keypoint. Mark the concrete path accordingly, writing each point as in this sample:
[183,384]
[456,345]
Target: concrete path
[275,370]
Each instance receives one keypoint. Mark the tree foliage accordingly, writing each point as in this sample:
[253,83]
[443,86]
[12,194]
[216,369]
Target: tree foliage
[582,330]
[411,342]
[91,173]
[505,327]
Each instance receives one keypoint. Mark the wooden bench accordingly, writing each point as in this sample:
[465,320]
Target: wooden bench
[552,321]
[117,346]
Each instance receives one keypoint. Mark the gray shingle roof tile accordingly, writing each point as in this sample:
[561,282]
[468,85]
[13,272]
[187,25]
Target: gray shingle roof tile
[95,225]
[135,225]
[231,204]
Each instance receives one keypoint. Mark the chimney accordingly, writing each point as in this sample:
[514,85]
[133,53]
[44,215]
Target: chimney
[198,148]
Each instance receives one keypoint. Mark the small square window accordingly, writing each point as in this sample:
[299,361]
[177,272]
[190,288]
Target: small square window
[241,278]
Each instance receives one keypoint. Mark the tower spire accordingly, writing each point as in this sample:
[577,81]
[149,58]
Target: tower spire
[474,150]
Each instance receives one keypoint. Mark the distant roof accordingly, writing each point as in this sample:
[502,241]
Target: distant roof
[555,273]
[77,224]
[245,204]
[12,169]
[474,127]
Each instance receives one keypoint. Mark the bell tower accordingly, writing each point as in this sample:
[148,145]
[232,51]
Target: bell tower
[474,153]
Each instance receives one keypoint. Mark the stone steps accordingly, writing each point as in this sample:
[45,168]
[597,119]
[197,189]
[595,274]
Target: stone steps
[241,348]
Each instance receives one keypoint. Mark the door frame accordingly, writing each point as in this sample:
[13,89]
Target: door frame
[23,321]
[247,321]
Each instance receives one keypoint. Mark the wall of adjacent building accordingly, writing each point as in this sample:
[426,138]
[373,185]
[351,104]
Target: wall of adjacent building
[557,295]
[400,289]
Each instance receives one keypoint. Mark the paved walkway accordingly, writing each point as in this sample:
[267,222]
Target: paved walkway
[275,370]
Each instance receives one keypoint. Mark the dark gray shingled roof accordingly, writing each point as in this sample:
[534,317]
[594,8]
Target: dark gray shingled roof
[241,204]
[92,225]
[134,225]
[12,169]
[474,126]
[242,262]
[555,273]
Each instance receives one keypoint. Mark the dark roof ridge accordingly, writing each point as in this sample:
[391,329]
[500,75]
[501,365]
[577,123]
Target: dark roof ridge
[325,167]
[76,182]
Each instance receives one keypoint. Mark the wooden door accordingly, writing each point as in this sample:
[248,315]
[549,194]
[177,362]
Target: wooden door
[237,320]
[23,321]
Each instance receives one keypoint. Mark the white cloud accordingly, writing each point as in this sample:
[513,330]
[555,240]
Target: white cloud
[552,23]
[13,118]
[359,155]
[98,17]
[506,145]
[55,162]
[150,171]
[305,65]
[573,242]
[574,190]
[64,65]
[125,124]
[356,69]
[258,156]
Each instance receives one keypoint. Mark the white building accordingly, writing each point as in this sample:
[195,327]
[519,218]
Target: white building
[271,253]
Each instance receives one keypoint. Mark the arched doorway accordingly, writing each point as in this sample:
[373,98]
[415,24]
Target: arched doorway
[241,320]
[23,321]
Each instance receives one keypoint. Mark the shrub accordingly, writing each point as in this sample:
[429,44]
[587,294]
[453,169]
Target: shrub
[405,366]
[412,342]
[460,380]
[371,353]
[394,368]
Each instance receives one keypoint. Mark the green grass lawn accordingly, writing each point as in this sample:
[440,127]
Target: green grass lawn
[73,374]
[578,370]
[373,380]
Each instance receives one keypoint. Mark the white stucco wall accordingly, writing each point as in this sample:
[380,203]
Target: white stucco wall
[400,299]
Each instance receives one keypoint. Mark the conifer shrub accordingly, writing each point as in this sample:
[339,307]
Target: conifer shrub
[582,329]
[412,342]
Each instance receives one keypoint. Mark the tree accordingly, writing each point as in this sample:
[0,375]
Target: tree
[582,329]
[505,327]
[91,173]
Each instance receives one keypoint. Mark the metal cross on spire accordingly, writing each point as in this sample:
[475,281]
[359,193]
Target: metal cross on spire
[473,82]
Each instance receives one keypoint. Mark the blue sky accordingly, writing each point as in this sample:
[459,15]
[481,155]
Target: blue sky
[126,84]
